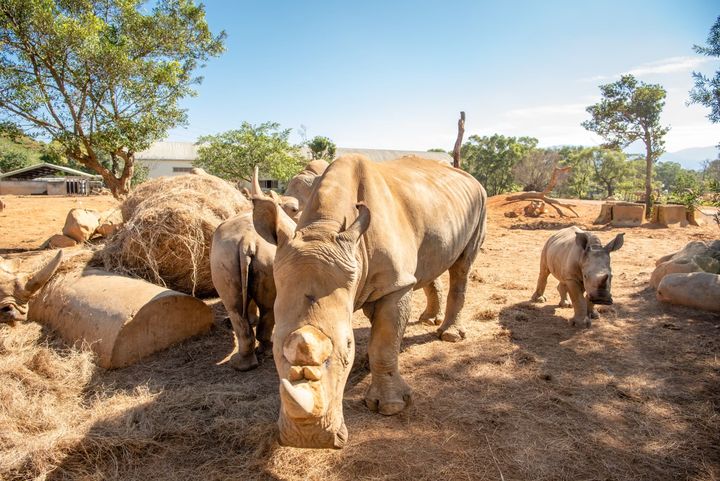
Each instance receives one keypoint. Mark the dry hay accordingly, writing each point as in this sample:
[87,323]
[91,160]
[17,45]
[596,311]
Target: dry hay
[169,224]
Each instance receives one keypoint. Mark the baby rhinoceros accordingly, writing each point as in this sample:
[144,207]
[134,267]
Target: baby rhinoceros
[582,265]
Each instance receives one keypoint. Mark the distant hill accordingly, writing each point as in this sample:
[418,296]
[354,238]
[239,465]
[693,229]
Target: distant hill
[691,158]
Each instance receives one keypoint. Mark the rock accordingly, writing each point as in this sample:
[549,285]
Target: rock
[80,224]
[110,222]
[58,241]
[700,290]
[535,208]
[696,256]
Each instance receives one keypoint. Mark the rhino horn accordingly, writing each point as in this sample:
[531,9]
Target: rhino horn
[300,402]
[41,277]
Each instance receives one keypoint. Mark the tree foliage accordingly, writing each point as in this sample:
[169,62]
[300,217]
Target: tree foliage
[233,155]
[491,159]
[13,159]
[707,90]
[629,111]
[610,167]
[322,148]
[101,77]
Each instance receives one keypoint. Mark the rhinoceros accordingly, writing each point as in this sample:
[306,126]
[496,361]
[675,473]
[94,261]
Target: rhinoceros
[19,282]
[241,266]
[370,234]
[299,188]
[582,265]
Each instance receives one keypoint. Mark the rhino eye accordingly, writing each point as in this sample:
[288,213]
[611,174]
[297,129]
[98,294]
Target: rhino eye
[311,298]
[6,309]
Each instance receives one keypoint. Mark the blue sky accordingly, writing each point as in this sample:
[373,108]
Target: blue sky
[395,74]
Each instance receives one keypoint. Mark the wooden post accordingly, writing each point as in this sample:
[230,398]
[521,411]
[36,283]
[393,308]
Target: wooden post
[458,142]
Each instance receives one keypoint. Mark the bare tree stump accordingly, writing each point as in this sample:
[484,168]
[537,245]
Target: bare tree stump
[458,141]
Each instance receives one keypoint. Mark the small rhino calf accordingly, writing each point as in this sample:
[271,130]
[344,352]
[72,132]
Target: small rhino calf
[582,265]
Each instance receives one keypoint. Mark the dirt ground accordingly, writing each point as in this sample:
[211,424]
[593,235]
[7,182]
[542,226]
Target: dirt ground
[525,397]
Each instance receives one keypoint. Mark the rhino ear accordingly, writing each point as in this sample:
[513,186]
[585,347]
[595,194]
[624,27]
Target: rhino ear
[616,243]
[269,217]
[41,277]
[352,234]
[582,239]
[255,184]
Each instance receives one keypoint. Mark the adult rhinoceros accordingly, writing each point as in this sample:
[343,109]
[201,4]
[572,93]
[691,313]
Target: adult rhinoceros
[369,235]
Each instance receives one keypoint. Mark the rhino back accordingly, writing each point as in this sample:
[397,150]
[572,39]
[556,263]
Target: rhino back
[563,255]
[421,209]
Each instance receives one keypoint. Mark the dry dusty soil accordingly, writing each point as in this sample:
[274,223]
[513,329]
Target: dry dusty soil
[525,397]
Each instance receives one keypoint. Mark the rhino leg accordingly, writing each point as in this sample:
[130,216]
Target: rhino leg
[433,310]
[591,312]
[562,289]
[539,296]
[451,329]
[580,318]
[264,330]
[245,358]
[388,393]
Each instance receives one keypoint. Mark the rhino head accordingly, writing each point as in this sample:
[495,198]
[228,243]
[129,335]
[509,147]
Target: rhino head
[595,266]
[316,273]
[18,283]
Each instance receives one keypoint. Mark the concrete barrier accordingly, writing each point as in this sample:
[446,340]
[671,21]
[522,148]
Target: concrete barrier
[122,319]
[628,215]
[670,215]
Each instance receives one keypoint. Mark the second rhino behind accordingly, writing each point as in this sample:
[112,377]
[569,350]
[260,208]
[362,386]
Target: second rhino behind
[582,265]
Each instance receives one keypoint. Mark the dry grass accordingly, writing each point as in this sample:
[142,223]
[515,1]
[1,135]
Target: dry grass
[634,397]
[169,224]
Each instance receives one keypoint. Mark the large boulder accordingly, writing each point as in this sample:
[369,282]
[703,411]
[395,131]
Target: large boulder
[81,224]
[700,290]
[59,241]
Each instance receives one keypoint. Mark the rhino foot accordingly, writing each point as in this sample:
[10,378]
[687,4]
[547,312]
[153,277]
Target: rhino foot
[581,322]
[243,363]
[431,320]
[389,397]
[538,298]
[565,303]
[452,334]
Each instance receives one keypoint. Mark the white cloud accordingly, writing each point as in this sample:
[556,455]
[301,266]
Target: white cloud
[663,66]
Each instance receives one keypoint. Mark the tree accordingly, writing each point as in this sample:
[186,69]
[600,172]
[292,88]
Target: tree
[491,159]
[12,160]
[630,111]
[322,148]
[101,77]
[534,170]
[610,167]
[580,181]
[707,90]
[233,155]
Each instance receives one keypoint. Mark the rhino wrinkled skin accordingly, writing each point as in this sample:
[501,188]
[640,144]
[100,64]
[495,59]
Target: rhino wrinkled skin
[581,264]
[369,235]
[18,283]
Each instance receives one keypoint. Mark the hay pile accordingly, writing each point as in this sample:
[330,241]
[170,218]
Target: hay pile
[169,224]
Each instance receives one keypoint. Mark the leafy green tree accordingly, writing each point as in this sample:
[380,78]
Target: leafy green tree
[437,150]
[629,111]
[610,167]
[13,159]
[707,90]
[101,75]
[491,159]
[322,148]
[234,154]
[580,181]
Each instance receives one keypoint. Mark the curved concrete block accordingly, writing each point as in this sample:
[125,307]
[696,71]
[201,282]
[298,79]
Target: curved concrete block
[700,290]
[123,319]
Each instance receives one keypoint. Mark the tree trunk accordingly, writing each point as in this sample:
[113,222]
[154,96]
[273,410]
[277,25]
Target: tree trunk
[119,186]
[648,179]
[458,142]
[611,190]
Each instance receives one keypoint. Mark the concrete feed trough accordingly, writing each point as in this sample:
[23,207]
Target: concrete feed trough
[122,319]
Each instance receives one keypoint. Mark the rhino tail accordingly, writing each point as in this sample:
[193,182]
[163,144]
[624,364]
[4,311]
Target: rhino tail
[245,260]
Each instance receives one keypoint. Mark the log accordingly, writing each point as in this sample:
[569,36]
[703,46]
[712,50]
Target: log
[554,203]
[458,141]
[700,290]
[122,319]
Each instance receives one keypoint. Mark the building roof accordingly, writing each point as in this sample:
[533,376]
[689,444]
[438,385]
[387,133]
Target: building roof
[169,151]
[383,155]
[43,170]
[188,151]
